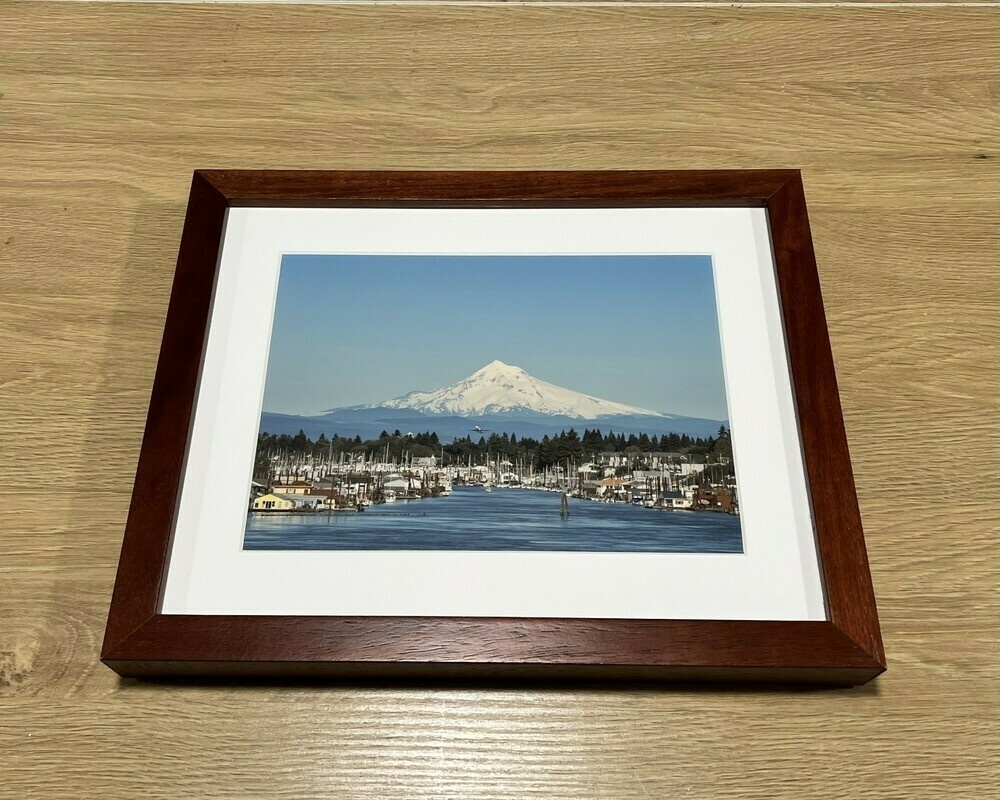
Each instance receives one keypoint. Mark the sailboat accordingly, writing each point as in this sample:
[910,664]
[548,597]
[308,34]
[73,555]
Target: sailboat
[488,483]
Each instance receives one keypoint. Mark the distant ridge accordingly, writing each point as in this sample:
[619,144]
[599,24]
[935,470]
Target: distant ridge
[498,398]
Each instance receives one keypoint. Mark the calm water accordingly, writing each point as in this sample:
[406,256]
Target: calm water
[506,519]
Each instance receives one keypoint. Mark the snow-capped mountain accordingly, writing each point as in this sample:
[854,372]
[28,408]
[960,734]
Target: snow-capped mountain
[499,398]
[500,388]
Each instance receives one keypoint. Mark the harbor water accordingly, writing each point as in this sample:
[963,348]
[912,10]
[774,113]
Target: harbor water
[504,520]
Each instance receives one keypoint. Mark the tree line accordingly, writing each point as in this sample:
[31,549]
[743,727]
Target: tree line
[547,452]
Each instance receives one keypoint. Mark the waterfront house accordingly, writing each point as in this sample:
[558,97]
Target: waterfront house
[287,487]
[713,497]
[402,484]
[674,499]
[613,488]
[273,502]
[395,483]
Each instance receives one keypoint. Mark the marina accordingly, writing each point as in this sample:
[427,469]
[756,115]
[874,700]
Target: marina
[505,519]
[391,494]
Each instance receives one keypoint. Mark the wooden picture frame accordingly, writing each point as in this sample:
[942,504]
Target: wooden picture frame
[846,649]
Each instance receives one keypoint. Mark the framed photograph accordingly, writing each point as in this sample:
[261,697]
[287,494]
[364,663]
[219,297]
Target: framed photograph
[504,424]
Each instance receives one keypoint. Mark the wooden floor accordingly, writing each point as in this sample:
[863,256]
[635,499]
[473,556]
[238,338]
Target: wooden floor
[892,113]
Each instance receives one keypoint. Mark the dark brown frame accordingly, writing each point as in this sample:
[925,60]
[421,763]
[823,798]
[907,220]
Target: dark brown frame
[844,650]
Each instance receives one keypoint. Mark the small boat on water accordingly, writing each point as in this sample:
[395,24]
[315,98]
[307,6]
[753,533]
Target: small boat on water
[390,496]
[487,487]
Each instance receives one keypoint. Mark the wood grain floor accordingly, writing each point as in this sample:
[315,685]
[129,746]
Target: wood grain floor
[892,115]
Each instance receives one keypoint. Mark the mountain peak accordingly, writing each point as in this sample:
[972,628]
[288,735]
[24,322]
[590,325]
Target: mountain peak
[498,370]
[497,367]
[500,388]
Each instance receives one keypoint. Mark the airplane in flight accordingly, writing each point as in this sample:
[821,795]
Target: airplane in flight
[477,429]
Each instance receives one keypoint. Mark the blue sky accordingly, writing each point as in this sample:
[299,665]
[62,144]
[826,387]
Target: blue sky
[641,330]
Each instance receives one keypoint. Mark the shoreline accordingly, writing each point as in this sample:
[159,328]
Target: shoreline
[472,486]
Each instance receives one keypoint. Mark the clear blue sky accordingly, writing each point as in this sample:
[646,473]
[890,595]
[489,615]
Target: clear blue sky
[641,330]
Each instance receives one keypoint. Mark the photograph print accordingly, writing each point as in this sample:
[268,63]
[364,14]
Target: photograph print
[502,403]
